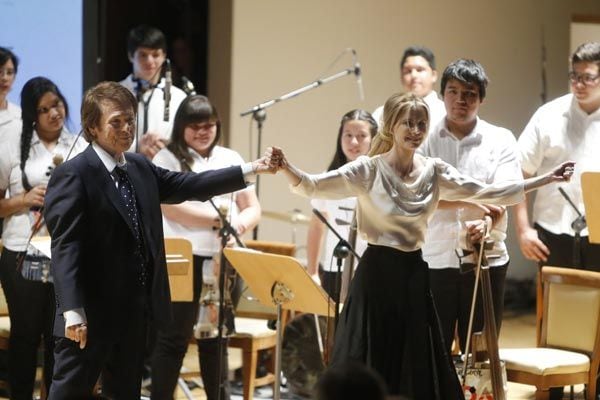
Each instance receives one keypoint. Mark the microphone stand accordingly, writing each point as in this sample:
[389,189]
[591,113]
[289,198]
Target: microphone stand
[341,251]
[225,231]
[259,113]
[578,225]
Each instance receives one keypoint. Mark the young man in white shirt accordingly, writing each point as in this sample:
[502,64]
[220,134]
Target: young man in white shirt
[147,51]
[418,76]
[567,128]
[487,153]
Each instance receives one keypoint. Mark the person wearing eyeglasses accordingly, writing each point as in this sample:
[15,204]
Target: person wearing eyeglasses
[487,153]
[565,128]
[389,320]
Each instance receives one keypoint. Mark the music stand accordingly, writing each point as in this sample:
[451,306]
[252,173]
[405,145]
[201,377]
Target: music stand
[590,187]
[283,281]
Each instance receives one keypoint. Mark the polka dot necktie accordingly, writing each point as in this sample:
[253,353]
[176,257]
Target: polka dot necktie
[128,196]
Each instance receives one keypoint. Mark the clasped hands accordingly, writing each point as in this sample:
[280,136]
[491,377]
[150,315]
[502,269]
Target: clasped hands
[271,162]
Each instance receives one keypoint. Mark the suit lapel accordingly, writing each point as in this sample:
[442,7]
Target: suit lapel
[107,185]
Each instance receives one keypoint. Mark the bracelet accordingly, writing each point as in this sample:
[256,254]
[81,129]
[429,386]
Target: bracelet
[23,199]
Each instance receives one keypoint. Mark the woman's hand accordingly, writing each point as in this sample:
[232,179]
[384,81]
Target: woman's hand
[34,197]
[563,172]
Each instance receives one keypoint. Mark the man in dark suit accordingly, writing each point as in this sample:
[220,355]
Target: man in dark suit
[108,259]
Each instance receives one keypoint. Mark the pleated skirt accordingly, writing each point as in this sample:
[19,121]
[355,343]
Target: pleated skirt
[390,324]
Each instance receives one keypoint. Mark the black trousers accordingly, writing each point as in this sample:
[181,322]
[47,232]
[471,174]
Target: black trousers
[453,292]
[172,344]
[563,249]
[118,359]
[31,308]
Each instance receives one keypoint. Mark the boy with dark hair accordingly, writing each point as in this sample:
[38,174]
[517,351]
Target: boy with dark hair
[147,52]
[488,153]
[418,76]
[567,128]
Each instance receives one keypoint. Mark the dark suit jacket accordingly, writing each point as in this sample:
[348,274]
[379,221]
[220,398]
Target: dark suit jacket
[93,243]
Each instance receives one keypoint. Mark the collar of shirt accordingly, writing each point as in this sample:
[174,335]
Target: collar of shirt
[62,138]
[199,158]
[431,97]
[473,137]
[109,161]
[575,111]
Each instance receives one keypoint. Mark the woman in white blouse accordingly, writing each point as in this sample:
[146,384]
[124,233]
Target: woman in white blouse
[389,320]
[38,145]
[194,147]
[9,112]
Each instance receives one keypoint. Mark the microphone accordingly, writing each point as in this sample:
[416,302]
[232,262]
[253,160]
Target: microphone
[358,73]
[578,223]
[188,86]
[167,89]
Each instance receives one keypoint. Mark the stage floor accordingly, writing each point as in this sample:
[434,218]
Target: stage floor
[518,330]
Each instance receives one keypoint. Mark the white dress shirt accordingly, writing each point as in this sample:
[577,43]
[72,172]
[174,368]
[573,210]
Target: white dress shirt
[205,241]
[39,166]
[437,110]
[393,213]
[488,154]
[560,131]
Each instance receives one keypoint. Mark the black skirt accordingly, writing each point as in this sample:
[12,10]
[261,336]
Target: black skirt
[390,324]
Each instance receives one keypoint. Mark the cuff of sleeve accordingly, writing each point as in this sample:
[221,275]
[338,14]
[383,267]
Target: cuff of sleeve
[248,172]
[74,317]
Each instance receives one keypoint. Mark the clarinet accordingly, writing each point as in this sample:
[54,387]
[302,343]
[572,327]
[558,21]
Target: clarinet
[167,89]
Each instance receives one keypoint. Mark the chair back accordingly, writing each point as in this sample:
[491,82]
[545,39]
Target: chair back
[248,306]
[180,267]
[571,310]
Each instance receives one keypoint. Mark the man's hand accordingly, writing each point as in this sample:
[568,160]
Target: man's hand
[77,333]
[150,144]
[268,163]
[531,245]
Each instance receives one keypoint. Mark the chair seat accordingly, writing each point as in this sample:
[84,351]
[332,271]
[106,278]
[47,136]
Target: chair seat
[545,361]
[252,327]
[4,327]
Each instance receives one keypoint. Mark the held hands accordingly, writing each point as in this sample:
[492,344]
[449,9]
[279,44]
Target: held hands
[77,333]
[270,163]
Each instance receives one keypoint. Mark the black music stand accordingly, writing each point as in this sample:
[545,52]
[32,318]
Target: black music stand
[283,281]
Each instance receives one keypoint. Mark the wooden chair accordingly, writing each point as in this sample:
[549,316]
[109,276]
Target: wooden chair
[568,352]
[252,334]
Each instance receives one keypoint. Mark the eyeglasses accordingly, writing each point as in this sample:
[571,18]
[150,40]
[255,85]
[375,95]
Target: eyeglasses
[586,79]
[58,104]
[421,126]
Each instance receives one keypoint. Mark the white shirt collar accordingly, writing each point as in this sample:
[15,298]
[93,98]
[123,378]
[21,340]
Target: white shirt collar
[474,135]
[109,161]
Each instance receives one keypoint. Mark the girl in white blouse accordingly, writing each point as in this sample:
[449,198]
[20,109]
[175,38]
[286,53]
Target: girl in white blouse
[38,145]
[389,320]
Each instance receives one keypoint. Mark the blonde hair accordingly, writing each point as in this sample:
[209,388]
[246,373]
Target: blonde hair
[395,109]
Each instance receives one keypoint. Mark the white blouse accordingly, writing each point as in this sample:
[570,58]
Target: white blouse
[394,213]
[39,166]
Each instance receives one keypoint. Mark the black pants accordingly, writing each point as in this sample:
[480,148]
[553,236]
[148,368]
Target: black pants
[172,343]
[118,358]
[563,249]
[453,292]
[31,308]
